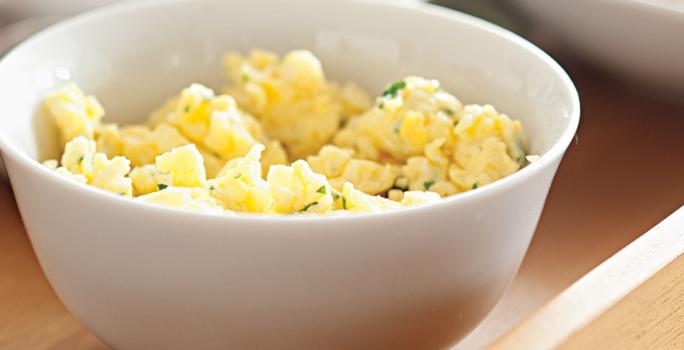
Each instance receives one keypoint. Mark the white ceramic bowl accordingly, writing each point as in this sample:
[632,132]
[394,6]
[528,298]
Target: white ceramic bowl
[640,40]
[141,276]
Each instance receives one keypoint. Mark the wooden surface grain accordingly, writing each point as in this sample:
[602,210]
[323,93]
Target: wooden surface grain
[633,300]
[623,175]
[651,317]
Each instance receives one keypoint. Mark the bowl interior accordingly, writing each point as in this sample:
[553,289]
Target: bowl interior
[134,56]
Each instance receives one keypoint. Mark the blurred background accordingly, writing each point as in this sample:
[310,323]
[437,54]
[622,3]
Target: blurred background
[623,174]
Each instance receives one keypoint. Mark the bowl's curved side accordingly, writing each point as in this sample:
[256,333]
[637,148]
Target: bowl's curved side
[153,279]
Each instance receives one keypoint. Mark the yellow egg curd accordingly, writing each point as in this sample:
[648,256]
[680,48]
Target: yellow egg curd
[283,139]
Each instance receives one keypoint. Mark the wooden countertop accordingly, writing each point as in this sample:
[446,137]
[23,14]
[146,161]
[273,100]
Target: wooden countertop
[631,301]
[624,174]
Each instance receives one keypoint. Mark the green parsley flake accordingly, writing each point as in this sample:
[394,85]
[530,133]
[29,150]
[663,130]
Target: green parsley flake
[80,160]
[456,122]
[519,149]
[162,186]
[397,128]
[187,108]
[381,105]
[520,159]
[394,88]
[428,184]
[449,111]
[212,187]
[244,78]
[306,207]
[476,185]
[344,203]
[335,196]
[322,190]
[238,176]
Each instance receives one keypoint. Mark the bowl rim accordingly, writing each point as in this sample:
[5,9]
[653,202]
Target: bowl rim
[554,153]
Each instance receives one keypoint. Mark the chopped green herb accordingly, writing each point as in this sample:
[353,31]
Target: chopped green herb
[476,185]
[344,203]
[244,78]
[519,149]
[428,184]
[520,159]
[456,122]
[187,108]
[212,187]
[321,190]
[335,196]
[381,105]
[238,176]
[80,160]
[397,126]
[394,88]
[306,207]
[162,186]
[449,111]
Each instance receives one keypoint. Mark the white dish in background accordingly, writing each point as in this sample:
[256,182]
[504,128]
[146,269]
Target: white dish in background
[140,276]
[12,34]
[19,9]
[640,40]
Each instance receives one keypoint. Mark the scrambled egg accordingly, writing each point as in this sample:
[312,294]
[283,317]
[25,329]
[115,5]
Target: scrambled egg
[285,140]
[75,113]
[442,145]
[240,185]
[192,199]
[292,98]
[82,163]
